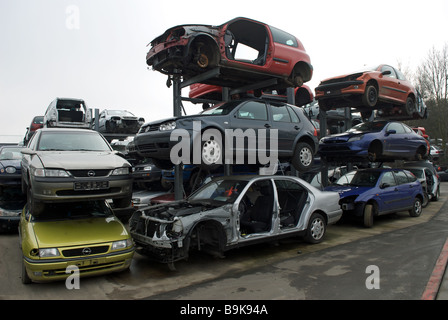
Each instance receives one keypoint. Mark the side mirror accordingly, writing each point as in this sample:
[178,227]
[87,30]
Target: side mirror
[388,132]
[384,185]
[28,151]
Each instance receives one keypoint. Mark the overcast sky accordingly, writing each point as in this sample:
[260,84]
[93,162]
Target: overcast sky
[96,49]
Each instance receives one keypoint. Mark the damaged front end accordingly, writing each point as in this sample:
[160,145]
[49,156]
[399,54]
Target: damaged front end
[159,232]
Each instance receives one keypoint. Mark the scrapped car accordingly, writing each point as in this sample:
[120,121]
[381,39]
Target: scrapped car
[375,141]
[10,166]
[67,113]
[234,211]
[302,95]
[146,174]
[83,236]
[436,152]
[36,123]
[210,135]
[73,164]
[428,177]
[119,121]
[367,193]
[246,51]
[379,87]
[11,205]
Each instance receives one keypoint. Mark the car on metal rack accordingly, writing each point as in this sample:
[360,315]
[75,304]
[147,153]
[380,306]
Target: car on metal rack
[378,87]
[119,121]
[82,236]
[246,51]
[234,211]
[210,136]
[36,123]
[67,113]
[375,141]
[367,193]
[65,164]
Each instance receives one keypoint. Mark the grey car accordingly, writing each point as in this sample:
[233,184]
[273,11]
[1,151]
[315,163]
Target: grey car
[68,113]
[74,164]
[234,211]
[119,121]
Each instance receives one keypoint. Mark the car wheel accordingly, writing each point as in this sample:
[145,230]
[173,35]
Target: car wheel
[211,153]
[316,228]
[416,210]
[303,157]
[410,106]
[425,201]
[25,278]
[368,215]
[370,97]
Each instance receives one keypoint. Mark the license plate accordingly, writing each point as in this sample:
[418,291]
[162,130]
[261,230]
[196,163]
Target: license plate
[91,185]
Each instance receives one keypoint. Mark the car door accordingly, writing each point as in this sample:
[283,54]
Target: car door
[253,120]
[388,194]
[287,124]
[405,194]
[390,86]
[396,140]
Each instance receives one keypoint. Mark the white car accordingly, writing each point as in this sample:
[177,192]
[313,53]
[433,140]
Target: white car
[67,113]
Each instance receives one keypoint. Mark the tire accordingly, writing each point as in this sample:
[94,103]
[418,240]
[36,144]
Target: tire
[303,157]
[34,206]
[25,278]
[416,210]
[316,228]
[212,154]
[410,106]
[368,215]
[370,97]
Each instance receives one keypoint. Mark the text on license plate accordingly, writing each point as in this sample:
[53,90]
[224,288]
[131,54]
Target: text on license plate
[91,185]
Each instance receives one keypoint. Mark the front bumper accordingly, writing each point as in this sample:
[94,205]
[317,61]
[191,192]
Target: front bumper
[56,269]
[54,189]
[164,251]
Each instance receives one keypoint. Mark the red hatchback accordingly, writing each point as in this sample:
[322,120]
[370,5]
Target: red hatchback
[380,87]
[246,51]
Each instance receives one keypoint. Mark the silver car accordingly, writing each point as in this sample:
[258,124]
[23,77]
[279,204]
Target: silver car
[119,121]
[73,164]
[68,113]
[234,211]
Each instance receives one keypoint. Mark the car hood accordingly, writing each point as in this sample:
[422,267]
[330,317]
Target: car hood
[342,137]
[10,163]
[347,191]
[78,232]
[78,160]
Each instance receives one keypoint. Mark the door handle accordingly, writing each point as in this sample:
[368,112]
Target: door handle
[296,127]
[267,125]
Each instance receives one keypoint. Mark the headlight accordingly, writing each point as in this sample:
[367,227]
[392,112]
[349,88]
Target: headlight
[121,244]
[355,138]
[168,126]
[11,170]
[49,252]
[148,168]
[177,226]
[49,173]
[120,171]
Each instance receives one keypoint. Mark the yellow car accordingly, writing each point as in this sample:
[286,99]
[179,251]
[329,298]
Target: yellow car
[83,236]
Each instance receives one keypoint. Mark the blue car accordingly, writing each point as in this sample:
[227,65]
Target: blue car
[366,193]
[10,168]
[375,141]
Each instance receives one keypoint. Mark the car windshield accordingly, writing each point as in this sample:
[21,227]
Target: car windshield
[376,126]
[222,190]
[11,154]
[360,178]
[72,141]
[74,210]
[120,113]
[223,109]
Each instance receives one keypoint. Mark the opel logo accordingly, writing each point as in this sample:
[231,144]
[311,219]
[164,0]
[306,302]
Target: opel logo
[91,173]
[86,251]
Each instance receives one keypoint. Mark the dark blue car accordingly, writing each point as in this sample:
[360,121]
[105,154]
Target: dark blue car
[10,168]
[367,193]
[375,141]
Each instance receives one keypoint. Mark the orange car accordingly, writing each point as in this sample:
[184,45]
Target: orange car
[380,87]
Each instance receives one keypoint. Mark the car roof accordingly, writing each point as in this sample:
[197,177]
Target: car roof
[67,130]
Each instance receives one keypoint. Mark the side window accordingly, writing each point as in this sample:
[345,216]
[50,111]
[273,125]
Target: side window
[32,143]
[388,178]
[397,127]
[283,37]
[411,177]
[253,110]
[280,113]
[294,117]
[392,71]
[408,130]
[401,177]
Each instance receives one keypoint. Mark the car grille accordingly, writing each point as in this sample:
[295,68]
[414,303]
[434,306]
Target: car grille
[85,251]
[90,173]
[85,269]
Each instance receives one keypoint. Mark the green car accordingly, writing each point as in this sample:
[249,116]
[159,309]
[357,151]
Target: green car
[84,234]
